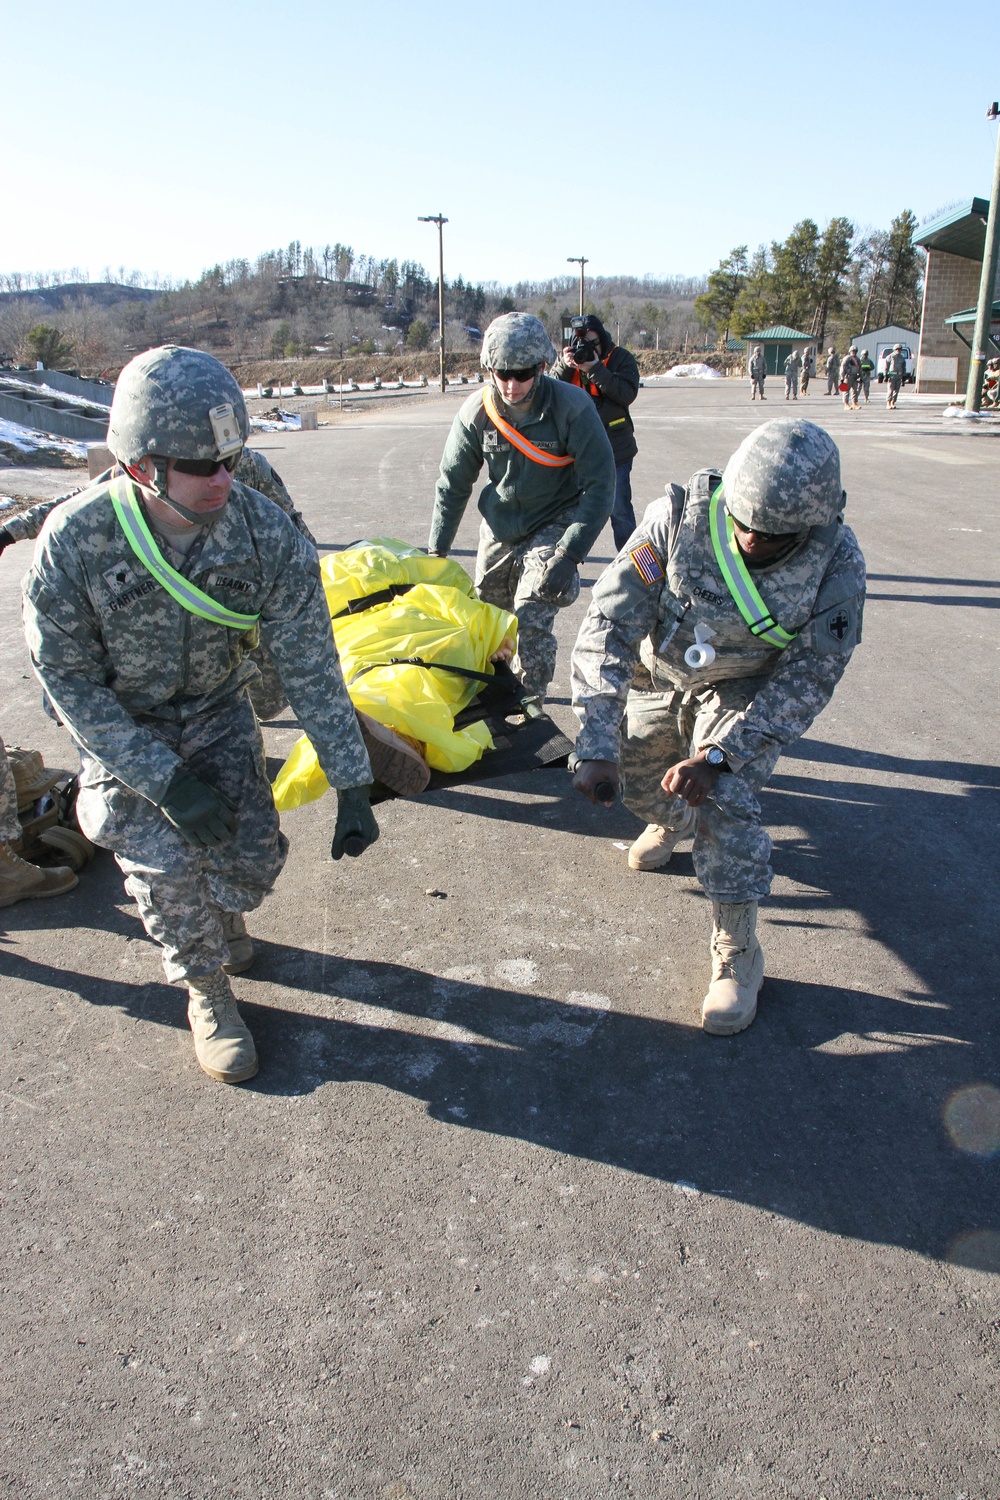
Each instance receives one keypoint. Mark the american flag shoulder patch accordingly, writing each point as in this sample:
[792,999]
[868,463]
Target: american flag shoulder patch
[646,563]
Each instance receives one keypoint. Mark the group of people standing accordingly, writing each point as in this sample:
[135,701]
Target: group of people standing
[717,634]
[851,375]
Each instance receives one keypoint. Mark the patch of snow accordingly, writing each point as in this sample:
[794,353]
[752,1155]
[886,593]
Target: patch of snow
[967,416]
[28,440]
[689,372]
[47,392]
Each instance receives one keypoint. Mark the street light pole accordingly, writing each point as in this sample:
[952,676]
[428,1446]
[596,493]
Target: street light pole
[581,260]
[440,221]
[984,309]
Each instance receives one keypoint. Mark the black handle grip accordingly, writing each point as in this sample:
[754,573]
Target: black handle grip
[605,791]
[354,845]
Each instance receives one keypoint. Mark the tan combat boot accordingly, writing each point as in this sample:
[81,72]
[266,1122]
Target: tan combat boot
[396,760]
[222,1044]
[21,881]
[652,849]
[234,930]
[737,969]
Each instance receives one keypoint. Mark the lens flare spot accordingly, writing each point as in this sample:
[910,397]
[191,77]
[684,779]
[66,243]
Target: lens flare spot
[978,1250]
[972,1119]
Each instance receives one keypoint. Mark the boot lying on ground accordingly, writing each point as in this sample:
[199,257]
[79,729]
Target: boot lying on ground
[653,848]
[21,881]
[234,929]
[222,1044]
[396,760]
[737,969]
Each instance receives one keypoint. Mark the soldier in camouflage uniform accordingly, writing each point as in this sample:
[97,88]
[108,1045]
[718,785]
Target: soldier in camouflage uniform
[895,374]
[711,700]
[19,879]
[758,374]
[832,372]
[143,597]
[793,365]
[267,695]
[850,376]
[550,491]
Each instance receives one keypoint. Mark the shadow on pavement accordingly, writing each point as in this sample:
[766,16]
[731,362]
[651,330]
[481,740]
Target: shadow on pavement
[829,1110]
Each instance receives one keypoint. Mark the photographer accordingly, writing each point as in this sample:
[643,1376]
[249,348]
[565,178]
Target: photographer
[610,375]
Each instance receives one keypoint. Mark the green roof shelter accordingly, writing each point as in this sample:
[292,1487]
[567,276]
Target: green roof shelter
[967,318]
[778,343]
[954,243]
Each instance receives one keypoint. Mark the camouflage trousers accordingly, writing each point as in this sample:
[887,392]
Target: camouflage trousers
[507,574]
[791,385]
[757,386]
[731,849]
[182,890]
[10,828]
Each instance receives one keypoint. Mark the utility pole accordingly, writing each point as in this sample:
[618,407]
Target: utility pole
[581,260]
[440,221]
[984,310]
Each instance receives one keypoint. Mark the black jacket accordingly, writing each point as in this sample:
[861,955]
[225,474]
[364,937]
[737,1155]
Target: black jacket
[614,385]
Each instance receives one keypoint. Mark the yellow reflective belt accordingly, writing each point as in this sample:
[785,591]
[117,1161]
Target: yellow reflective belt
[139,537]
[737,578]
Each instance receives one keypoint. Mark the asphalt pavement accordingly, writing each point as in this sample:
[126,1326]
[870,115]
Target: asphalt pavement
[496,1218]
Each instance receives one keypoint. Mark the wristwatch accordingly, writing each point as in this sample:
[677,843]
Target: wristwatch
[716,758]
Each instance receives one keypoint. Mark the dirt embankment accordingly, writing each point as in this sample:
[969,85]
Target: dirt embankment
[365,367]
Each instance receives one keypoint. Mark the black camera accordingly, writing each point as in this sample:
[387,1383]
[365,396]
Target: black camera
[581,348]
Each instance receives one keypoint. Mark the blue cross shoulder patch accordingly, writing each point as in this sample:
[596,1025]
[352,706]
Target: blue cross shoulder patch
[647,564]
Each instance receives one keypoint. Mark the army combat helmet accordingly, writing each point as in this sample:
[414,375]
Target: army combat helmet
[173,402]
[516,341]
[784,477]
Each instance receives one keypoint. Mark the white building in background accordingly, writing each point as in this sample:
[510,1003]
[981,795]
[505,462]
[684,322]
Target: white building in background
[879,342]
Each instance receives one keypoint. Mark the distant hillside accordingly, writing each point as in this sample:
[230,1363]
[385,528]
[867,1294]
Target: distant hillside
[327,303]
[99,293]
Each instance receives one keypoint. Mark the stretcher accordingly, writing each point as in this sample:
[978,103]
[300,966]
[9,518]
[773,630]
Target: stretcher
[415,647]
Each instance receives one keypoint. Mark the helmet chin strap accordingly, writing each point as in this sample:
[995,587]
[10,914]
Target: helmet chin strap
[159,487]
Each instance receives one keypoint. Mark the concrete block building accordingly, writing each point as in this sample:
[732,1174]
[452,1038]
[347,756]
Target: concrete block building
[954,244]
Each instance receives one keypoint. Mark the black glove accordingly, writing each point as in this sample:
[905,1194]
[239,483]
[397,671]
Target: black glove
[356,827]
[558,579]
[201,814]
[5,538]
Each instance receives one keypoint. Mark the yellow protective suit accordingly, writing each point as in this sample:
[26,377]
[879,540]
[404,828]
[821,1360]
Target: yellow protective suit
[438,618]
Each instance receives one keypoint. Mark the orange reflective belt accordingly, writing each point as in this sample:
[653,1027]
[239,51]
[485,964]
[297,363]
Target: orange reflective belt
[522,444]
[576,376]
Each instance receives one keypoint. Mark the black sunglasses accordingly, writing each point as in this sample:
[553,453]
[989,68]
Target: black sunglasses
[518,375]
[764,536]
[206,468]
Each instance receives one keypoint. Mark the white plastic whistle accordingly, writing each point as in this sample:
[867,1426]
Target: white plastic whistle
[701,654]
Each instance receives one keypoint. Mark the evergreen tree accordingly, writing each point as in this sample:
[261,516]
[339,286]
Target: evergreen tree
[832,261]
[794,275]
[754,305]
[724,286]
[47,344]
[903,268]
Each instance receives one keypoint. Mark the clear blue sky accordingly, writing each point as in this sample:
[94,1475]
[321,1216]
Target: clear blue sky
[651,137]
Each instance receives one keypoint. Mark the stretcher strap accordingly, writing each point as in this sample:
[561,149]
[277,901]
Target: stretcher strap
[418,661]
[357,606]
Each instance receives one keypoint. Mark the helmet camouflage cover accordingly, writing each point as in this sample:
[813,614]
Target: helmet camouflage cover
[176,403]
[784,477]
[516,341]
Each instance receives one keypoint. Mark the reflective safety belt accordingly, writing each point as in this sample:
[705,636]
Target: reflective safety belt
[139,537]
[737,578]
[521,443]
